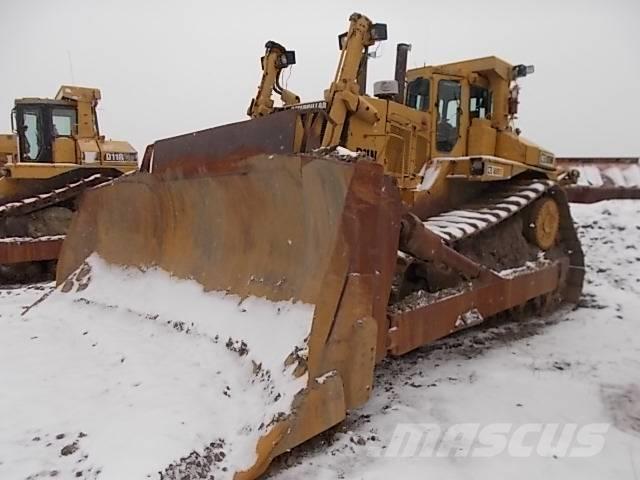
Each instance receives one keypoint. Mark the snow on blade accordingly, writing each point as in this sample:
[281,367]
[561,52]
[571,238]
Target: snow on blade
[323,378]
[121,374]
[430,175]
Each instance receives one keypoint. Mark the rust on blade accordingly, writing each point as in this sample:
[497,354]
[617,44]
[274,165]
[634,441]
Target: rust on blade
[305,228]
[281,227]
[199,152]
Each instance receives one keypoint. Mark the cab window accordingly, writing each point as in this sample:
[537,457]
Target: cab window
[479,102]
[447,130]
[32,136]
[64,121]
[418,94]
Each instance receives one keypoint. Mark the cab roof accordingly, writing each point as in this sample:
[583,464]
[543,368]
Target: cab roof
[466,67]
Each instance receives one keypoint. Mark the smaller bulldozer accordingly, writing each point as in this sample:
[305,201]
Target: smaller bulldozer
[400,218]
[54,154]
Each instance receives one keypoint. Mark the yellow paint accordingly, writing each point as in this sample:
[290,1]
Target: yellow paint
[84,148]
[405,140]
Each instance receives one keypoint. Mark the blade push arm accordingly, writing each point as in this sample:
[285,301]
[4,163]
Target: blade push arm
[276,58]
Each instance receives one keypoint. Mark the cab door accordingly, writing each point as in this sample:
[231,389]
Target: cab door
[33,133]
[450,119]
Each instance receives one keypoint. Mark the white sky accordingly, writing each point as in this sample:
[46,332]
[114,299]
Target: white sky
[169,67]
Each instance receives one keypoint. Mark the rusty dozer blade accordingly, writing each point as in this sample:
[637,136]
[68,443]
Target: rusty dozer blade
[603,178]
[278,227]
[223,208]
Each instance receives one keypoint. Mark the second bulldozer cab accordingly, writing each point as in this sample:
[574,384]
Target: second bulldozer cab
[64,131]
[39,124]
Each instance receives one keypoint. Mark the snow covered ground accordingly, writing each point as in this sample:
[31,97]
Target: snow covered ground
[116,404]
[571,370]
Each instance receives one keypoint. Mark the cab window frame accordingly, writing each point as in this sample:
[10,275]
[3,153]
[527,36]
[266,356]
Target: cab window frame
[480,102]
[449,113]
[32,133]
[63,113]
[419,94]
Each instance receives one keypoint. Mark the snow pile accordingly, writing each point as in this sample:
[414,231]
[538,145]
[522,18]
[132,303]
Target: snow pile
[120,374]
[589,176]
[617,176]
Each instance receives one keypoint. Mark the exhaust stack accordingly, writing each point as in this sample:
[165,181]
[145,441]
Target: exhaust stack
[402,52]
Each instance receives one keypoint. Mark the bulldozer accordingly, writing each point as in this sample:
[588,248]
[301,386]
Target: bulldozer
[56,153]
[401,218]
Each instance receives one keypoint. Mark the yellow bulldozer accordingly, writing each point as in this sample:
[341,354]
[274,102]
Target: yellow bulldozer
[400,218]
[56,152]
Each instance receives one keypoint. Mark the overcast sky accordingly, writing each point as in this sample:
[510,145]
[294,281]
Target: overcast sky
[169,67]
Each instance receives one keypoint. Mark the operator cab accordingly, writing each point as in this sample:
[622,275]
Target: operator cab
[38,122]
[472,107]
[448,95]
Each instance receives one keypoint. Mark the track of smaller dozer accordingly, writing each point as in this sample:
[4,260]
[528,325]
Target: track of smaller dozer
[17,251]
[43,200]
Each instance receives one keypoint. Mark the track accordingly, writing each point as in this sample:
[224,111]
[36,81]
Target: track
[487,212]
[38,202]
[489,223]
[511,372]
[33,232]
[489,231]
[505,209]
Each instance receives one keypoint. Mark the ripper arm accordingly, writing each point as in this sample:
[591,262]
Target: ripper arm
[343,96]
[276,58]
